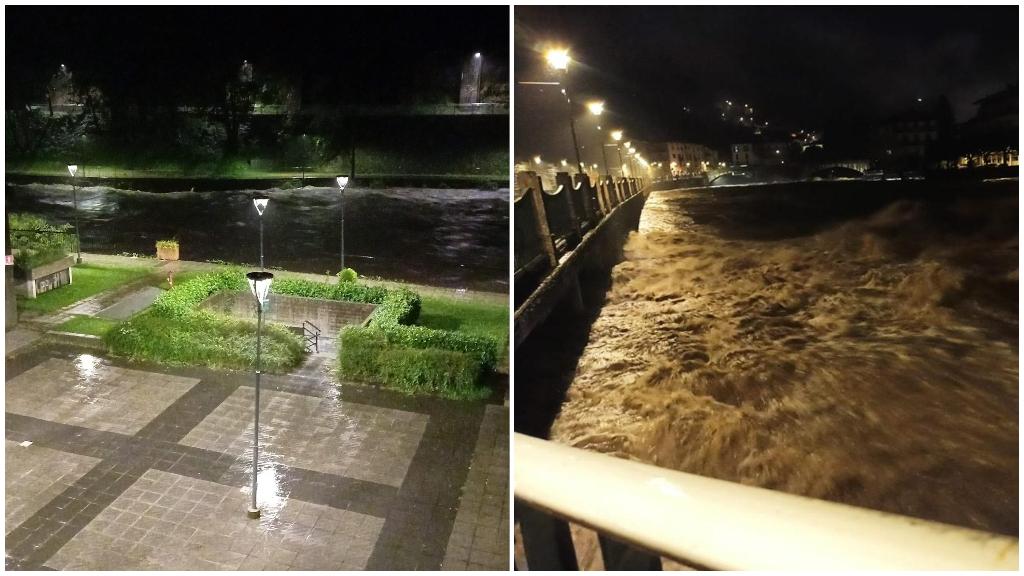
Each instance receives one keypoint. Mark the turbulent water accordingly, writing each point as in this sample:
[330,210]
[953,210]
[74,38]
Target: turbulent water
[452,238]
[843,342]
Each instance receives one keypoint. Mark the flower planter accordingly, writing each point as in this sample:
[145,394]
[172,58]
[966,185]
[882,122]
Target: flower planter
[167,251]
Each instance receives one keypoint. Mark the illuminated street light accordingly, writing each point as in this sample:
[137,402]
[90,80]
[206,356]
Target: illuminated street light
[342,183]
[260,200]
[259,285]
[596,107]
[536,160]
[564,162]
[558,58]
[73,170]
[617,135]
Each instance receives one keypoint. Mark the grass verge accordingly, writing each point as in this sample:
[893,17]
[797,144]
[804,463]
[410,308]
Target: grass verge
[86,280]
[487,319]
[87,325]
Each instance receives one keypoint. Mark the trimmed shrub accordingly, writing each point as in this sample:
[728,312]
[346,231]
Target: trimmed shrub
[365,353]
[186,297]
[432,371]
[348,275]
[482,348]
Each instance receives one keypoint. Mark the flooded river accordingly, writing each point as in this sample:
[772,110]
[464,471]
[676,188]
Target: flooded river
[450,238]
[855,342]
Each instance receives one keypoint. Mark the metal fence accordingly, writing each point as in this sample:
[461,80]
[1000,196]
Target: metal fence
[644,514]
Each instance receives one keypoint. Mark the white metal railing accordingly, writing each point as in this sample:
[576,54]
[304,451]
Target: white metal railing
[724,525]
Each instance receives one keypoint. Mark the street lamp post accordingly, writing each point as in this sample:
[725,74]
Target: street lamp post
[73,170]
[558,60]
[617,137]
[342,182]
[260,201]
[259,284]
[597,108]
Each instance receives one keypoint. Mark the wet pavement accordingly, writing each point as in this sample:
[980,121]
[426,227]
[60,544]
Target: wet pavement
[135,466]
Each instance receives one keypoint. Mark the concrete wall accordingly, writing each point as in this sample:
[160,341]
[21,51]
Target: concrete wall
[328,315]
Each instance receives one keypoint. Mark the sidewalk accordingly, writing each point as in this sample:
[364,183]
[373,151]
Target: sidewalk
[119,465]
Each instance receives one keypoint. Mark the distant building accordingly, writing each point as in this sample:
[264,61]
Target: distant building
[765,153]
[687,159]
[990,138]
[918,137]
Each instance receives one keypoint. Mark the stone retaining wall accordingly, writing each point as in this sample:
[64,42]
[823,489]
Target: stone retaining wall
[328,315]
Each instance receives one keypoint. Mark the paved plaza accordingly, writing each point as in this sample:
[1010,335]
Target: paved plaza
[112,465]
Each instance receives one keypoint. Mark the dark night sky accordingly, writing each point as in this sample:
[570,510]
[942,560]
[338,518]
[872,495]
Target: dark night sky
[797,66]
[366,54]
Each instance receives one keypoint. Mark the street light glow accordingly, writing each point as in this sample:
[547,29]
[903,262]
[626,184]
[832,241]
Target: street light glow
[596,107]
[617,135]
[536,159]
[557,58]
[477,55]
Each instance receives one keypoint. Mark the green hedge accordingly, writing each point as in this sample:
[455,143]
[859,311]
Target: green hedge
[36,241]
[366,353]
[391,350]
[176,331]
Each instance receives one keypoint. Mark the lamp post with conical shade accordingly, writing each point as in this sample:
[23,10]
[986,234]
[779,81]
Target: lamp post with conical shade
[342,183]
[259,285]
[260,200]
[73,170]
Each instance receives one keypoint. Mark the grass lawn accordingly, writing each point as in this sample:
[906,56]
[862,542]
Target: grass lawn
[469,316]
[87,325]
[87,280]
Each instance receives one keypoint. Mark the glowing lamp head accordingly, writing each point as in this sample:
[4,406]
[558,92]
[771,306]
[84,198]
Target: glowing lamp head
[557,59]
[477,55]
[536,160]
[72,169]
[616,135]
[259,285]
[596,108]
[565,162]
[342,181]
[260,201]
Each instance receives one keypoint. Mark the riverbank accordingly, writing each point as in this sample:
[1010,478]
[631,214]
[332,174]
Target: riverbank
[155,180]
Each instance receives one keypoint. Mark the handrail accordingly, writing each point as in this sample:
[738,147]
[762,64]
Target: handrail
[311,335]
[724,525]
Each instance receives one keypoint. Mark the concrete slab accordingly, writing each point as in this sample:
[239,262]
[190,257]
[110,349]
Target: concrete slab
[130,304]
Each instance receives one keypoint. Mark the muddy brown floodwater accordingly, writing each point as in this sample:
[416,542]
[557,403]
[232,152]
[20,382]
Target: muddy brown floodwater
[853,342]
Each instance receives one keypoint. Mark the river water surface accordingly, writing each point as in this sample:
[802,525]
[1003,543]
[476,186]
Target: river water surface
[855,342]
[441,237]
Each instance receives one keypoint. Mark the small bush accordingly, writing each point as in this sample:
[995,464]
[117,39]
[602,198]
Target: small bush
[348,275]
[166,244]
[38,242]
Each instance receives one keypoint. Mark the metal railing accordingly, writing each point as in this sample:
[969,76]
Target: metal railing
[550,224]
[643,513]
[311,335]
